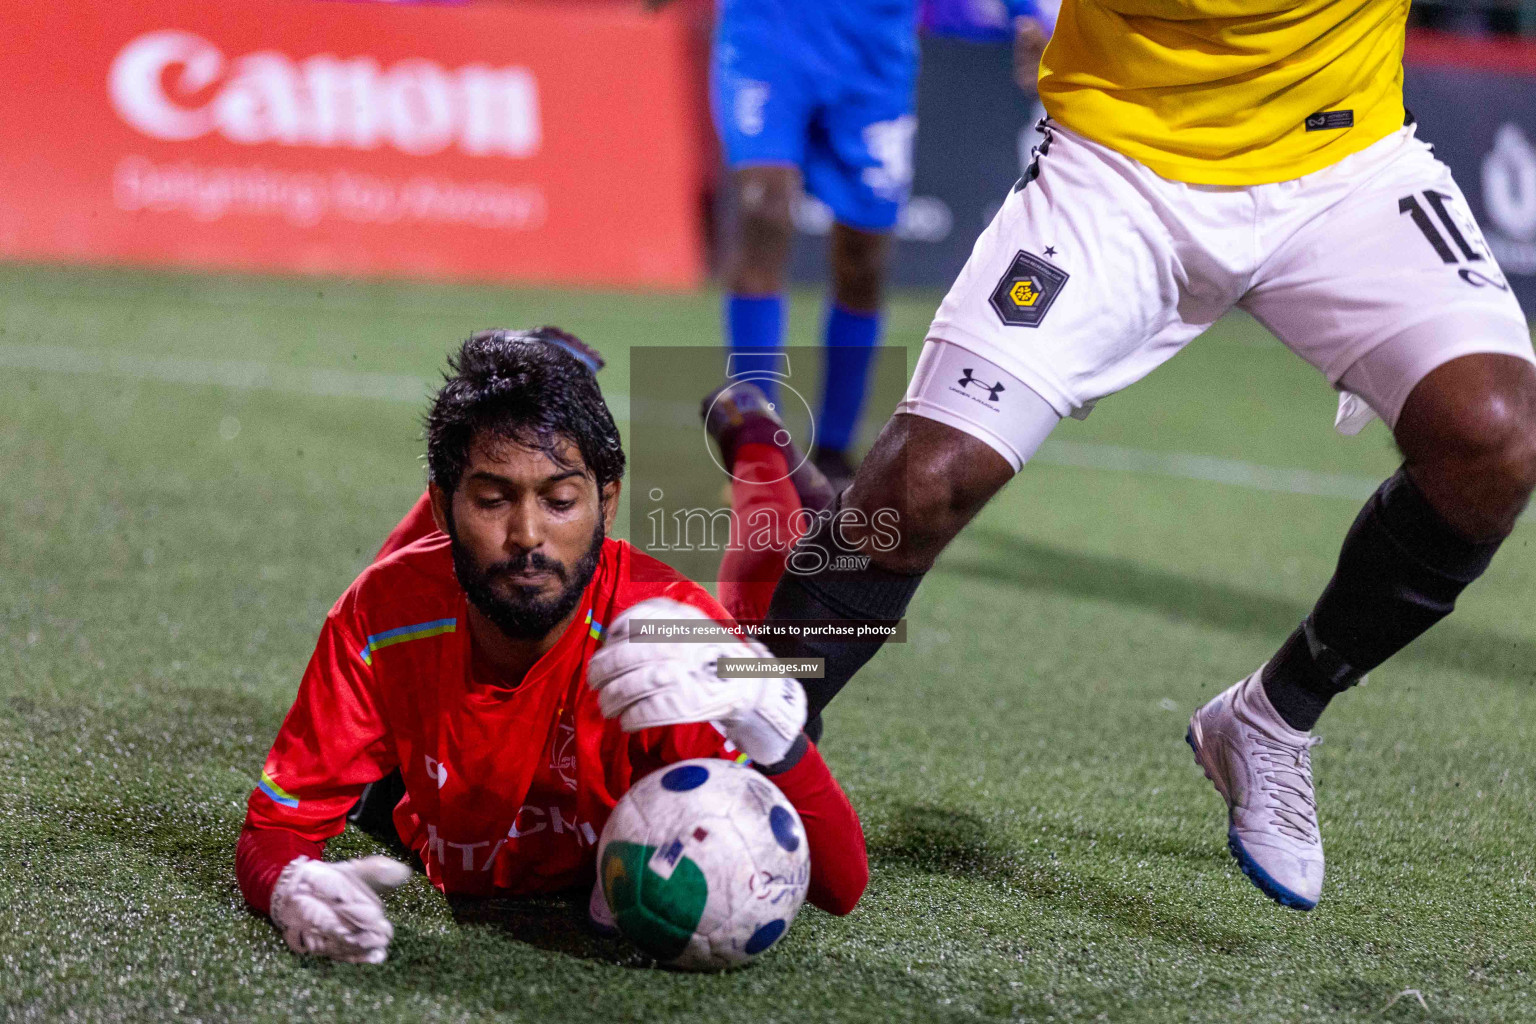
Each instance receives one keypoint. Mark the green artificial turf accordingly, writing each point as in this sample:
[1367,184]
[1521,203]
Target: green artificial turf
[1043,847]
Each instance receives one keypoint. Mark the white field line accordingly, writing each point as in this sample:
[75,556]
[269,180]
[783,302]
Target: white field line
[1205,467]
[226,373]
[392,387]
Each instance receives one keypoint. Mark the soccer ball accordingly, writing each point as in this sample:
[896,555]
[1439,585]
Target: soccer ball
[704,864]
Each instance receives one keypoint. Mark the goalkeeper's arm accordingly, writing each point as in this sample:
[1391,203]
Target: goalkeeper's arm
[839,862]
[331,744]
[328,909]
[260,856]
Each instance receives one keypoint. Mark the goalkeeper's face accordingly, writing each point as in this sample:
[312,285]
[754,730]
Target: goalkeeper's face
[527,528]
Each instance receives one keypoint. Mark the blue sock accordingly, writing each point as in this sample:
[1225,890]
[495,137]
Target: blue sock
[851,339]
[754,326]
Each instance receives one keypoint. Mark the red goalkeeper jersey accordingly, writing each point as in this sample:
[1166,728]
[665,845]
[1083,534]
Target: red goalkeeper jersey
[508,785]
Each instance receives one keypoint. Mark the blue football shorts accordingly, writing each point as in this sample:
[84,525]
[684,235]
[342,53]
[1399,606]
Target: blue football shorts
[850,135]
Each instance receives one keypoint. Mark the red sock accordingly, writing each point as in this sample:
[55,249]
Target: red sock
[767,521]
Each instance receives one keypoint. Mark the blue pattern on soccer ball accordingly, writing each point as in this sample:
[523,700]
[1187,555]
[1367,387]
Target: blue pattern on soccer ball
[765,936]
[691,776]
[783,825]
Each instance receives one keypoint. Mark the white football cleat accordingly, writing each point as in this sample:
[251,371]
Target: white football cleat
[1263,769]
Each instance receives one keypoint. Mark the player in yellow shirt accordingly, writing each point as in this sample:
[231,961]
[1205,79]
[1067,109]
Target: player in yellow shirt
[1202,155]
[1222,92]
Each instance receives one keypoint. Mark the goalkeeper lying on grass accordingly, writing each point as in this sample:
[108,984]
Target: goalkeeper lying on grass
[473,662]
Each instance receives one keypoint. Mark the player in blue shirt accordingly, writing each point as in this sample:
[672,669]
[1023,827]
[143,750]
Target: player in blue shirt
[817,94]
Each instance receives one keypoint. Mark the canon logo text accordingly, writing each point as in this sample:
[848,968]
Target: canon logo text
[178,86]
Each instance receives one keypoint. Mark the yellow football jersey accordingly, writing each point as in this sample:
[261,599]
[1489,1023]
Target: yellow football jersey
[1228,92]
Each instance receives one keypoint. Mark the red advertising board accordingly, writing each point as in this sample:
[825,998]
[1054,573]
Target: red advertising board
[541,142]
[1429,49]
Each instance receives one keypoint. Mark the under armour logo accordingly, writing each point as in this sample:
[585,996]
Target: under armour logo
[993,390]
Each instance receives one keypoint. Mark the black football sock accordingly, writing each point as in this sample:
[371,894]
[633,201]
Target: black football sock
[1297,685]
[813,728]
[1400,571]
[818,584]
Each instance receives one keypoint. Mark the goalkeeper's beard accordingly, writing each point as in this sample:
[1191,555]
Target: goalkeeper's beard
[522,612]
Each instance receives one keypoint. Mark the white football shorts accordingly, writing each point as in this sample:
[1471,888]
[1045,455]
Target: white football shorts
[1096,270]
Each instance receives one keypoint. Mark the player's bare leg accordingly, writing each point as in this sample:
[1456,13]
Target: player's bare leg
[858,268]
[1468,435]
[758,252]
[859,261]
[756,257]
[1468,432]
[965,427]
[935,478]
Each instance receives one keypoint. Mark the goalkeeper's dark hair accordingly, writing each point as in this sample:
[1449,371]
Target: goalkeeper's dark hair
[537,389]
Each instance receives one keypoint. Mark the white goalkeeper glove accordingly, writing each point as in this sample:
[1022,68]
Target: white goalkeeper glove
[334,910]
[645,685]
